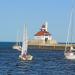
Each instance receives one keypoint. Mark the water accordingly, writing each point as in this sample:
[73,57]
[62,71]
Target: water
[44,62]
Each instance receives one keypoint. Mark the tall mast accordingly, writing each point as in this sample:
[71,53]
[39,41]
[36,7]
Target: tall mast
[69,29]
[17,39]
[24,43]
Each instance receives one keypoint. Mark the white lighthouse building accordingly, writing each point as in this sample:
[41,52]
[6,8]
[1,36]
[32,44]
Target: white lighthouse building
[43,34]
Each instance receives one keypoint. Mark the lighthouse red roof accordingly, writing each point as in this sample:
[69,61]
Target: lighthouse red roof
[42,33]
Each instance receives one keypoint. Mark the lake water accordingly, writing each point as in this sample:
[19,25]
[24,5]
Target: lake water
[44,62]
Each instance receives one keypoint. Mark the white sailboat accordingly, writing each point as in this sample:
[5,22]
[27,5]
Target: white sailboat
[69,49]
[17,45]
[24,54]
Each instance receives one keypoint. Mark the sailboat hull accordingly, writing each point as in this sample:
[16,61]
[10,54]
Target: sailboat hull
[70,56]
[27,57]
[17,47]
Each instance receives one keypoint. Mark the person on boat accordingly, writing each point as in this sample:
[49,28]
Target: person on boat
[24,54]
[69,50]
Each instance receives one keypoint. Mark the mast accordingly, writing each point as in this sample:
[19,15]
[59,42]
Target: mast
[69,29]
[24,43]
[17,39]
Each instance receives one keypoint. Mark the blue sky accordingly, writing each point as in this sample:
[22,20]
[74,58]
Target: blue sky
[15,13]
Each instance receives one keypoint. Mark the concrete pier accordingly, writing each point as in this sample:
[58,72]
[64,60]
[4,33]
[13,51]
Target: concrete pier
[50,47]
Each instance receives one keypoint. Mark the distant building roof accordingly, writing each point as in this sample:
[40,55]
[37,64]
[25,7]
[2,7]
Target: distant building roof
[42,33]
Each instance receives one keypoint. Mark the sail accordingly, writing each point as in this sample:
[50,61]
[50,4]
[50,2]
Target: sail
[24,43]
[17,39]
[69,36]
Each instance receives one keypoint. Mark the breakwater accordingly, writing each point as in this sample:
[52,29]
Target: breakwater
[50,47]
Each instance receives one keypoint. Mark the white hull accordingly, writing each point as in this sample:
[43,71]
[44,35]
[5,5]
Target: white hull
[70,56]
[26,58]
[17,47]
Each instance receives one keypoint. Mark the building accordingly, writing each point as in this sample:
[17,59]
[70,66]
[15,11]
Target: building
[43,34]
[43,37]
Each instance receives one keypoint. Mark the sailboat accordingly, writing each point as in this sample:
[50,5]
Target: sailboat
[17,45]
[24,52]
[69,49]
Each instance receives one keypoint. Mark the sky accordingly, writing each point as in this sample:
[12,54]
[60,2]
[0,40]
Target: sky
[15,13]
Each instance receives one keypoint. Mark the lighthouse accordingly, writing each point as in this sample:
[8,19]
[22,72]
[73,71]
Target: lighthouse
[43,37]
[43,33]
